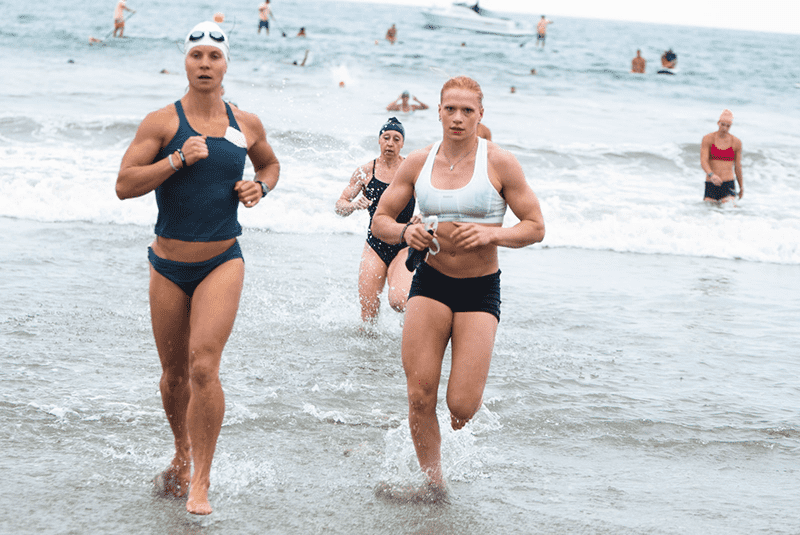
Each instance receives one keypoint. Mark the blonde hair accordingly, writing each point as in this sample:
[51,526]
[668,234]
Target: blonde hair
[462,82]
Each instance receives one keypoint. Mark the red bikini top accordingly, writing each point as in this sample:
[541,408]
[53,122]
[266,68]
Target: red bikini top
[727,155]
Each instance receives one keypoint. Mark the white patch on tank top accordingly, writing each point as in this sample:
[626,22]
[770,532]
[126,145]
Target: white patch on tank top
[236,137]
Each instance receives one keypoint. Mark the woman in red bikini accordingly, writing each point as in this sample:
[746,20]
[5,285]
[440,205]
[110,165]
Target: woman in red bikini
[721,158]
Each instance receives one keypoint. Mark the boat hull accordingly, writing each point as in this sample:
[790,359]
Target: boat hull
[460,18]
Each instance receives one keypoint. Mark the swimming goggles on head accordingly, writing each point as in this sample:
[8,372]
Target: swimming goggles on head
[199,34]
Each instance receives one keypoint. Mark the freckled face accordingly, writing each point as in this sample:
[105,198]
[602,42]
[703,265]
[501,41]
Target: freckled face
[460,112]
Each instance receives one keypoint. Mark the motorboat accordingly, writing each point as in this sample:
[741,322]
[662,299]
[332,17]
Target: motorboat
[462,16]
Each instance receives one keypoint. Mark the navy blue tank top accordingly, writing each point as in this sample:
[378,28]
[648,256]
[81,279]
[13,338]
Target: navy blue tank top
[198,203]
[373,192]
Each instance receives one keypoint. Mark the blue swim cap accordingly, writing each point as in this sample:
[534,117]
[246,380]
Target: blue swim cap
[393,124]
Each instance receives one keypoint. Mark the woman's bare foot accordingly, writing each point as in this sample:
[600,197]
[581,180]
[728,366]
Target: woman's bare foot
[197,504]
[174,481]
[428,493]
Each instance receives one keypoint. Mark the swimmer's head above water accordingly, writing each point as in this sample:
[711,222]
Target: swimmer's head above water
[393,124]
[207,33]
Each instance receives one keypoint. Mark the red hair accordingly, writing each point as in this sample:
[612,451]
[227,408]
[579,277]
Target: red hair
[463,82]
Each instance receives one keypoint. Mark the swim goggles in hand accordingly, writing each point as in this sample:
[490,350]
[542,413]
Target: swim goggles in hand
[199,34]
[415,258]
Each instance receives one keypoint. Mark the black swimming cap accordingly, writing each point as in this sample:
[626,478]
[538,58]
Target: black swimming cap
[670,55]
[393,124]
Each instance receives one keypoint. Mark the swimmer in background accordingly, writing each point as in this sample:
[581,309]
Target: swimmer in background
[302,32]
[391,34]
[403,104]
[669,60]
[305,58]
[721,159]
[380,261]
[541,30]
[638,63]
[119,17]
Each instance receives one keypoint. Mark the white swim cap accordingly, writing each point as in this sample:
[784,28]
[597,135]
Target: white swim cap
[207,33]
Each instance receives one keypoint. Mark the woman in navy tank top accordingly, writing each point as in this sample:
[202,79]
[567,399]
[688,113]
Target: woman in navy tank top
[380,261]
[455,294]
[192,155]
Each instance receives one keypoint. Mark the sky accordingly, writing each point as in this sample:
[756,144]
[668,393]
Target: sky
[782,16]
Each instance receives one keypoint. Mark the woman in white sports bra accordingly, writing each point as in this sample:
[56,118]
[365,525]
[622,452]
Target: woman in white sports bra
[466,182]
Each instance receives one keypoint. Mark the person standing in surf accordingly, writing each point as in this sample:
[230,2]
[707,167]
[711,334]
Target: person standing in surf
[192,154]
[541,31]
[638,63]
[264,12]
[119,18]
[380,261]
[391,34]
[721,159]
[466,182]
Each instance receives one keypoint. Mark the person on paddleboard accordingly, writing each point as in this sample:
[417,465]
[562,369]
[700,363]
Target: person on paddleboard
[119,18]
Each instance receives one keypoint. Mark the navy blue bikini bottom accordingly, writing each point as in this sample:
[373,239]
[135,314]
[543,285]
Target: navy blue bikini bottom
[189,275]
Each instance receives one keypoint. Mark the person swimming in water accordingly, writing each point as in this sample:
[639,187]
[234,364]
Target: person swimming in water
[401,103]
[381,262]
[669,61]
[721,159]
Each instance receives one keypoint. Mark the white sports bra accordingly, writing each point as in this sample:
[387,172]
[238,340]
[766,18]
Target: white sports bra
[476,202]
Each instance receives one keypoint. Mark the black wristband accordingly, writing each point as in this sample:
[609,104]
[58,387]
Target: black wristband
[183,158]
[403,233]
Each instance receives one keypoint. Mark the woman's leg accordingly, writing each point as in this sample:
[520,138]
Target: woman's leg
[426,331]
[371,278]
[169,311]
[213,311]
[472,342]
[399,281]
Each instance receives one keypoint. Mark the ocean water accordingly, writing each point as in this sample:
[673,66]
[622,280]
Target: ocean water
[645,376]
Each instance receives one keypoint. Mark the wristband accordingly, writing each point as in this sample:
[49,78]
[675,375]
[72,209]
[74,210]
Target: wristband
[403,233]
[264,188]
[183,158]
[709,175]
[169,159]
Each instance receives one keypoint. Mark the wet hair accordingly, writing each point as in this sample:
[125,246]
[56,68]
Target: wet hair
[406,94]
[462,82]
[393,124]
[669,55]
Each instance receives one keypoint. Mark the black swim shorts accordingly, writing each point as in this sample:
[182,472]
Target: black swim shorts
[475,294]
[726,189]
